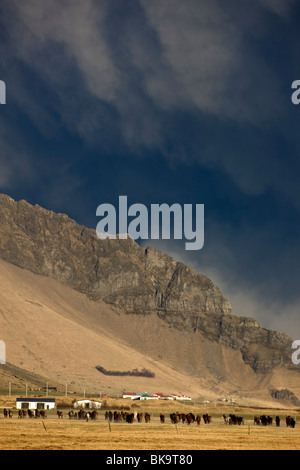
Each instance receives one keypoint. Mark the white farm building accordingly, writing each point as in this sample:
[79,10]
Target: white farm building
[35,403]
[87,404]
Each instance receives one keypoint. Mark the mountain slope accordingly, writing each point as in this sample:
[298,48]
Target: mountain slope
[79,302]
[56,332]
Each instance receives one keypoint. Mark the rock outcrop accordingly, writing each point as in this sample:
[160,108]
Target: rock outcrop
[136,280]
[119,272]
[285,395]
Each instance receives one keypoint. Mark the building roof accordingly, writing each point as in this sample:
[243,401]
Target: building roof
[37,400]
[87,401]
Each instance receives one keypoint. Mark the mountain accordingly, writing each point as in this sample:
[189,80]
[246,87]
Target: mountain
[70,302]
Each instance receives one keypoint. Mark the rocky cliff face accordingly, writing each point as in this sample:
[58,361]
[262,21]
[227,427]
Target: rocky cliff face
[117,271]
[136,280]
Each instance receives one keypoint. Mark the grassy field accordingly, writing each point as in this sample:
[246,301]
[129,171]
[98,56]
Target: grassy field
[55,434]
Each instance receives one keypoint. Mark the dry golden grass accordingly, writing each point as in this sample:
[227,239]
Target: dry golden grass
[16,434]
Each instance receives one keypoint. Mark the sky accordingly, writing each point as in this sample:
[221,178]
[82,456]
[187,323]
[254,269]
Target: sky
[165,102]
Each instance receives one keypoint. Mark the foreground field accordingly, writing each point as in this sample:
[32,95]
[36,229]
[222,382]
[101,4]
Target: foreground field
[65,434]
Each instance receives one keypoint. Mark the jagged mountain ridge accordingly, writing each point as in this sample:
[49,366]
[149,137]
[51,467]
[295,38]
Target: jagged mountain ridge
[133,279]
[117,271]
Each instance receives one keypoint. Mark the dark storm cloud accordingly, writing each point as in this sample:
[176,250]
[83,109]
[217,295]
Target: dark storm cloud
[141,95]
[106,68]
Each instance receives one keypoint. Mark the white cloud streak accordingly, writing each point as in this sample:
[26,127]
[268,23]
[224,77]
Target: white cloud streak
[202,59]
[77,27]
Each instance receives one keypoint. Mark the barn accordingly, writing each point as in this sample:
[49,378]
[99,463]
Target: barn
[35,403]
[132,396]
[87,404]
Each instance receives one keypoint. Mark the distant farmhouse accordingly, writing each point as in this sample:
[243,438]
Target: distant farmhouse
[153,396]
[35,403]
[87,404]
